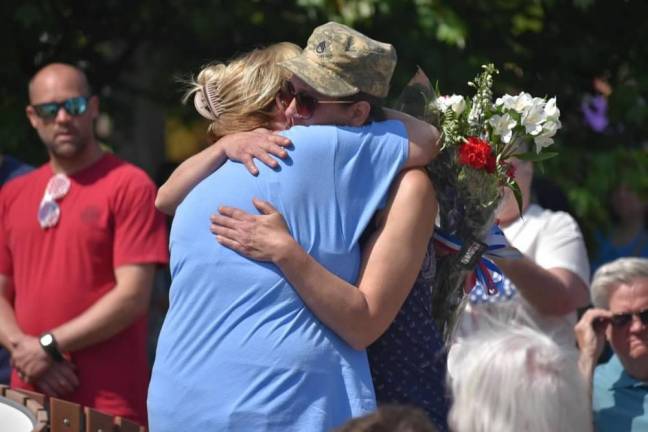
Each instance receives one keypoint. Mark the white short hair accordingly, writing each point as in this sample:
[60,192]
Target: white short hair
[510,377]
[609,276]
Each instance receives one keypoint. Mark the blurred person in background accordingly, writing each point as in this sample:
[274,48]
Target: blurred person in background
[391,418]
[552,277]
[627,236]
[79,241]
[9,169]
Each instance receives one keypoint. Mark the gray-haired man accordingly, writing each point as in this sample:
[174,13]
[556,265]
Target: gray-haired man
[620,315]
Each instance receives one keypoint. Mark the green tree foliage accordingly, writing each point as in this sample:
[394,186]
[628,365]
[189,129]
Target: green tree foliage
[547,47]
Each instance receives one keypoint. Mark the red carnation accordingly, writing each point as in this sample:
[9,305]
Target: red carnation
[478,154]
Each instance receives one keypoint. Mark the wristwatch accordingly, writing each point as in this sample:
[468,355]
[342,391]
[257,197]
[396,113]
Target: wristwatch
[49,345]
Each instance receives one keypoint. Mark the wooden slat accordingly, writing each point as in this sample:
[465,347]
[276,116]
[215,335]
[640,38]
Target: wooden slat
[97,421]
[65,416]
[42,416]
[15,396]
[125,425]
[38,397]
[2,389]
[42,421]
[33,406]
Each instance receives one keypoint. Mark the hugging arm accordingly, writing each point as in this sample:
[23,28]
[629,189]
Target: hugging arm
[391,259]
[242,146]
[424,139]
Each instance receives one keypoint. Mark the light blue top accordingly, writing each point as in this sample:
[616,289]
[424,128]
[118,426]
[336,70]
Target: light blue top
[620,402]
[238,349]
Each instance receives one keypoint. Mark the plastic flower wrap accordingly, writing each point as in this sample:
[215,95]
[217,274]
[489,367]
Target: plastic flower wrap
[479,137]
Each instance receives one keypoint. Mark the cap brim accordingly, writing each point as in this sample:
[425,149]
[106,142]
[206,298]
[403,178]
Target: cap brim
[321,79]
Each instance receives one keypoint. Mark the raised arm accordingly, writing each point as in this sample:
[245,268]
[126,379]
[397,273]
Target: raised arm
[424,139]
[392,259]
[553,291]
[590,336]
[243,146]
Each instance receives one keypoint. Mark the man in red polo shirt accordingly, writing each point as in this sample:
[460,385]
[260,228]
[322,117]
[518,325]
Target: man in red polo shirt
[79,242]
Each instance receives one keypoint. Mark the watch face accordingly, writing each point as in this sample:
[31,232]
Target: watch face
[46,339]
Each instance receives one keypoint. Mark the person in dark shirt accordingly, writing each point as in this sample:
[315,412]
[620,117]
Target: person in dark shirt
[9,168]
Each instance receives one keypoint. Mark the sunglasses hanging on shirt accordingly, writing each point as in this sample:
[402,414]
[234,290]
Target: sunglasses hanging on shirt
[49,211]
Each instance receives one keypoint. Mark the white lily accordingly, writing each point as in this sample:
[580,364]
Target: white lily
[549,128]
[551,109]
[455,102]
[533,116]
[542,142]
[503,126]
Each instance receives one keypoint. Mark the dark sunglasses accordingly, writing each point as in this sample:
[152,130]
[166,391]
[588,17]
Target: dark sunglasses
[74,106]
[623,319]
[305,104]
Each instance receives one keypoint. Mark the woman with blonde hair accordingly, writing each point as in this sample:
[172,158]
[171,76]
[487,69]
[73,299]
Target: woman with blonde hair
[244,100]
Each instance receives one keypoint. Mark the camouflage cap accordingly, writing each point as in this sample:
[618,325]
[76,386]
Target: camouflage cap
[339,61]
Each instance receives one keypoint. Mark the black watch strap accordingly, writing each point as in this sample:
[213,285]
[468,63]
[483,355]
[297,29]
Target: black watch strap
[49,345]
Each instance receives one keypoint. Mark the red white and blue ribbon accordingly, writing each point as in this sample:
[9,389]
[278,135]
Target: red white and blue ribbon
[485,273]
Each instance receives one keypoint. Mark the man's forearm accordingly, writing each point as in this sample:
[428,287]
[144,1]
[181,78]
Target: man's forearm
[550,291]
[107,317]
[115,311]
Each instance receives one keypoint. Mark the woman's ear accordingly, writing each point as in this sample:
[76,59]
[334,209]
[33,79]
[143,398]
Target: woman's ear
[359,113]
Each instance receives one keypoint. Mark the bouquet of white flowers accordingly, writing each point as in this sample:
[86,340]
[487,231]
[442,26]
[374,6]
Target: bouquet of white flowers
[479,137]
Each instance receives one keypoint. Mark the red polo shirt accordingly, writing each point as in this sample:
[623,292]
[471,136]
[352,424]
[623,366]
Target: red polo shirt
[107,220]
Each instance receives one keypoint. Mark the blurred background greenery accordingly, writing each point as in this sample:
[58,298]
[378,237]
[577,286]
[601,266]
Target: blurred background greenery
[591,54]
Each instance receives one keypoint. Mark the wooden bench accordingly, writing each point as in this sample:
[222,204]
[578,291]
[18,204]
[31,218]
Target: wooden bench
[32,406]
[57,415]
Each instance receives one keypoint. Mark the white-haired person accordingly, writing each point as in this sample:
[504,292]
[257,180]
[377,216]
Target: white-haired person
[620,314]
[510,376]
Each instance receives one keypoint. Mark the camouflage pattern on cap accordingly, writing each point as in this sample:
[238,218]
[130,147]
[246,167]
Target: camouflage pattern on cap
[339,61]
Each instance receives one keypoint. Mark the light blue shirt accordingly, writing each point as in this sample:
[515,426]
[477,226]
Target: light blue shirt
[239,350]
[620,402]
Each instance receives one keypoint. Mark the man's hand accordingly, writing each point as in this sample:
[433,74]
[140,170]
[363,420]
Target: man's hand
[590,336]
[260,144]
[590,332]
[29,358]
[59,380]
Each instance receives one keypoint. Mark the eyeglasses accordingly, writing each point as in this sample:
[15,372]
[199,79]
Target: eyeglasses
[74,106]
[623,319]
[49,211]
[304,103]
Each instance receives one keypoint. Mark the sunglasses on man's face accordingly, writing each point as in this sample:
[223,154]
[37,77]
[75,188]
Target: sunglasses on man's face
[75,106]
[305,104]
[623,319]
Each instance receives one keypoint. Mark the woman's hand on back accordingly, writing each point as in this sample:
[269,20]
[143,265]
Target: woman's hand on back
[263,237]
[261,144]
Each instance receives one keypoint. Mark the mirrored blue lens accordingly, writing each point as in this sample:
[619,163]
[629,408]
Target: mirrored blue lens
[74,106]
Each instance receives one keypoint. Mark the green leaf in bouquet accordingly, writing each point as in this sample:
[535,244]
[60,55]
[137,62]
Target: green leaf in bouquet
[534,157]
[517,192]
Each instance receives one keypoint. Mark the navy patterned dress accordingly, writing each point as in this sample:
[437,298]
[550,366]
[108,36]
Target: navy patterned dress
[408,362]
